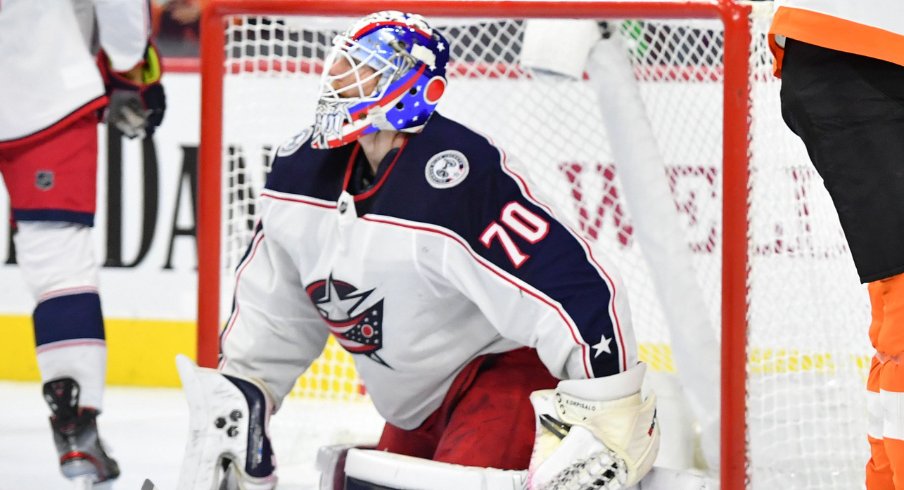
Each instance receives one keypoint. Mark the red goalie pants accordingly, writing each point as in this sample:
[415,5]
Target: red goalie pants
[885,470]
[486,418]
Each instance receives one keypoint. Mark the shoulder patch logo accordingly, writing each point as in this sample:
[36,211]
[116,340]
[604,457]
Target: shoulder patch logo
[446,169]
[291,146]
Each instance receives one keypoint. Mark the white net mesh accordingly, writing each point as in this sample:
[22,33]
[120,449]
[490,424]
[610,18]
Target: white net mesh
[808,349]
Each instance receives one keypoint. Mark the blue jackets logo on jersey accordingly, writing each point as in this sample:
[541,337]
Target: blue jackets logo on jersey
[446,169]
[357,324]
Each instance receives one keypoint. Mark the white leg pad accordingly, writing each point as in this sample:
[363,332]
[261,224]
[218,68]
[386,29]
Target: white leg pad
[668,479]
[407,473]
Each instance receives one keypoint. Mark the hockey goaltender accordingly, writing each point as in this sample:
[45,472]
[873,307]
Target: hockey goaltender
[496,345]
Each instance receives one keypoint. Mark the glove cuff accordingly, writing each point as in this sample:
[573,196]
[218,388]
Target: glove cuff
[151,70]
[607,388]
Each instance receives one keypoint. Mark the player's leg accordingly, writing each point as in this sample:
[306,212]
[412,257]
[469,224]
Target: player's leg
[891,380]
[422,441]
[51,182]
[417,443]
[489,422]
[849,112]
[492,422]
[486,418]
[878,468]
[484,426]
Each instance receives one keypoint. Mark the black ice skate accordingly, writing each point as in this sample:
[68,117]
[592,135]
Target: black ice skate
[82,455]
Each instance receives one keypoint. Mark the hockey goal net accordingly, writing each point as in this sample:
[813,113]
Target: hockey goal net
[668,154]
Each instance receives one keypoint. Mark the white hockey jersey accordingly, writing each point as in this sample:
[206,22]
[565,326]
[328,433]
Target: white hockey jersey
[47,71]
[448,256]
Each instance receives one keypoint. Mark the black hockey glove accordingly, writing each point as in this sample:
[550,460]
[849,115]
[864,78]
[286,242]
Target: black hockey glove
[136,107]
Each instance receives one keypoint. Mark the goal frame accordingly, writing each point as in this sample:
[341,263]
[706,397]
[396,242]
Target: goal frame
[735,150]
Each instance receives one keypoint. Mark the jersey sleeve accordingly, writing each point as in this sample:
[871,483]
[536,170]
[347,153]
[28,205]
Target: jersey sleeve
[538,282]
[123,29]
[273,333]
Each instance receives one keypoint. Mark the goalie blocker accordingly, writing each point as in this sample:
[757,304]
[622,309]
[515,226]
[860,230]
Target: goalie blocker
[228,445]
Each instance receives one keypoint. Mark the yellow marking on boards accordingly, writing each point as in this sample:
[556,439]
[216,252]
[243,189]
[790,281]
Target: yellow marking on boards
[139,352]
[142,353]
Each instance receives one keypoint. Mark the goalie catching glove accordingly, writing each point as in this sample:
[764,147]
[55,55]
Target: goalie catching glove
[137,101]
[594,434]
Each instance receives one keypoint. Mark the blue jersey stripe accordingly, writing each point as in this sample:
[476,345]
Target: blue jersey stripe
[64,215]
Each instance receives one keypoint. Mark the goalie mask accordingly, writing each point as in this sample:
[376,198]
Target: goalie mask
[387,72]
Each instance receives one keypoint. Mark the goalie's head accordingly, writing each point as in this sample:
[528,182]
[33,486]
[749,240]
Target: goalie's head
[386,72]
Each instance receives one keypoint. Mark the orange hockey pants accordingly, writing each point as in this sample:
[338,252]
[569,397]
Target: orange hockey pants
[885,469]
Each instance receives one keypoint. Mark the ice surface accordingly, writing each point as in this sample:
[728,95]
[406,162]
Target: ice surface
[145,430]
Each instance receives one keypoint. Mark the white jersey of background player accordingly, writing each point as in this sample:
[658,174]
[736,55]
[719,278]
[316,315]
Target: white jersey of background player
[415,242]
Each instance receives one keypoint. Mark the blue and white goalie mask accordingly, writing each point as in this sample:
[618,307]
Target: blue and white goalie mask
[386,72]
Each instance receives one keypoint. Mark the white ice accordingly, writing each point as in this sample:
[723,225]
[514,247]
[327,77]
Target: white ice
[145,430]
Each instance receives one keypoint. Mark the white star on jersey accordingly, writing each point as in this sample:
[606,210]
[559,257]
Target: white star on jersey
[602,346]
[334,307]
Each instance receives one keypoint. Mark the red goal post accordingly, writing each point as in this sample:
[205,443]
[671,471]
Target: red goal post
[734,241]
[735,154]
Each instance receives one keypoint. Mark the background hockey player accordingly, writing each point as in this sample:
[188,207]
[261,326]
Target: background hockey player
[842,69]
[417,244]
[51,91]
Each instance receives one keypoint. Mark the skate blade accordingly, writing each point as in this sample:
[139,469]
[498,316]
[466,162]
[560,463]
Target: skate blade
[83,482]
[104,485]
[86,482]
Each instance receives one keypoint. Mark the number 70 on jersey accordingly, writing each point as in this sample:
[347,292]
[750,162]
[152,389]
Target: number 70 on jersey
[517,219]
